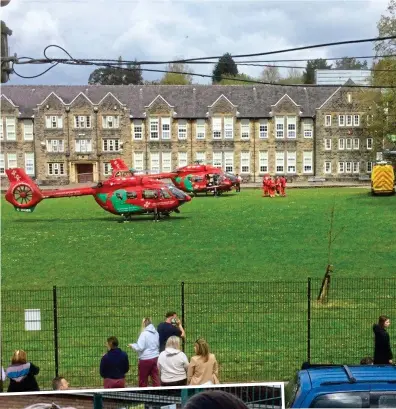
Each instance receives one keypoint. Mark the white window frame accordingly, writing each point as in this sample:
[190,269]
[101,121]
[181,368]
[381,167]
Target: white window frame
[327,167]
[245,129]
[200,156]
[11,128]
[341,120]
[291,162]
[138,161]
[155,162]
[263,162]
[28,130]
[166,128]
[83,145]
[341,167]
[327,121]
[218,159]
[280,162]
[356,144]
[182,129]
[111,145]
[200,129]
[291,127]
[369,167]
[307,162]
[348,120]
[154,128]
[110,121]
[279,127]
[55,145]
[12,160]
[138,129]
[245,162]
[356,120]
[228,127]
[348,167]
[229,161]
[166,162]
[82,121]
[58,169]
[341,144]
[263,129]
[182,159]
[348,144]
[54,122]
[107,169]
[29,163]
[2,164]
[356,167]
[327,144]
[216,128]
[308,130]
[369,143]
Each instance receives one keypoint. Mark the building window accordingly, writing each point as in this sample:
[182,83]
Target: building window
[107,169]
[327,167]
[138,129]
[56,169]
[280,125]
[229,161]
[341,144]
[349,97]
[307,162]
[369,143]
[356,143]
[154,162]
[291,162]
[245,128]
[182,157]
[216,128]
[348,143]
[166,128]
[110,122]
[341,167]
[349,120]
[10,128]
[229,127]
[166,159]
[111,145]
[245,162]
[2,164]
[327,144]
[263,130]
[29,163]
[55,145]
[12,160]
[280,162]
[182,129]
[328,120]
[308,129]
[53,122]
[200,128]
[291,127]
[200,157]
[341,120]
[356,167]
[154,128]
[28,130]
[218,159]
[356,120]
[82,121]
[348,167]
[138,161]
[369,167]
[263,161]
[83,145]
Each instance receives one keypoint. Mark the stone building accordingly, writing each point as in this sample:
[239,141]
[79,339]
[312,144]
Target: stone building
[69,134]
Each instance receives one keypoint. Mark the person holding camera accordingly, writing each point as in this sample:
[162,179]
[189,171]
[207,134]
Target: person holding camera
[171,327]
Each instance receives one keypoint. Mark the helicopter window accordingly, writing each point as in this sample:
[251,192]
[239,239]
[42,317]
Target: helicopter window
[197,179]
[165,194]
[177,193]
[150,194]
[131,195]
[117,174]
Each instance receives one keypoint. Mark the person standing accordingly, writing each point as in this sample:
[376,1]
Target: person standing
[171,327]
[282,181]
[265,186]
[238,183]
[21,373]
[147,348]
[382,348]
[114,365]
[203,368]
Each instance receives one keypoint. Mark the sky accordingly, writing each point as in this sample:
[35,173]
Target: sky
[165,30]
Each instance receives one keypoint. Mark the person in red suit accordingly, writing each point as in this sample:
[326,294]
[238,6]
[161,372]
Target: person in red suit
[277,185]
[282,181]
[272,187]
[265,186]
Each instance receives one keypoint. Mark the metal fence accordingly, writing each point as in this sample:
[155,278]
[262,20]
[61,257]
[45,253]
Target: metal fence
[259,331]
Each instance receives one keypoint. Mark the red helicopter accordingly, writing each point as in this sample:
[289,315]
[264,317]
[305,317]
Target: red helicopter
[121,196]
[191,179]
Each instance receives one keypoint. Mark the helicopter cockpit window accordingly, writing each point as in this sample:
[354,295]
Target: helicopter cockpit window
[131,195]
[150,194]
[197,178]
[166,194]
[230,176]
[177,193]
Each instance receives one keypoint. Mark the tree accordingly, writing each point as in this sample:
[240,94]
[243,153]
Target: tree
[234,80]
[225,67]
[387,27]
[117,75]
[270,74]
[312,65]
[174,78]
[294,76]
[352,63]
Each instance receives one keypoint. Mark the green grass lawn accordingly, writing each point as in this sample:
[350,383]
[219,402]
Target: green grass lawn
[257,330]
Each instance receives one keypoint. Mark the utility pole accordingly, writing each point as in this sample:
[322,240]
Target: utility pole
[5,57]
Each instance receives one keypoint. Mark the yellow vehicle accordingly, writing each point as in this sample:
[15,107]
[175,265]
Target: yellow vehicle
[382,179]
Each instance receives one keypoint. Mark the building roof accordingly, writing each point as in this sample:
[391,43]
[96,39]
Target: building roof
[189,101]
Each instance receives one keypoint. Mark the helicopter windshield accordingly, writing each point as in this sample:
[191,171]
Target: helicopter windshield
[230,176]
[177,193]
[166,194]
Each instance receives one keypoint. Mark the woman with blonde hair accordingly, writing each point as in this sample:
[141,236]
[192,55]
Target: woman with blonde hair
[203,368]
[21,373]
[173,364]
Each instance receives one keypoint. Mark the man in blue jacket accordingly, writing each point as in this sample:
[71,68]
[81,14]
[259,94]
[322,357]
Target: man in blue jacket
[114,365]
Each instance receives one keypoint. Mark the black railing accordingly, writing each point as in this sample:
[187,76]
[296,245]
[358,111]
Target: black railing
[259,331]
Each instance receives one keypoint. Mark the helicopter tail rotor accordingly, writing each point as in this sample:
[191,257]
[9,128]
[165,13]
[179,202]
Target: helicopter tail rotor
[23,193]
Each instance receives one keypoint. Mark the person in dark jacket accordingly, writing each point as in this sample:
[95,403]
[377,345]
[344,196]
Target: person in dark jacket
[382,348]
[114,365]
[21,373]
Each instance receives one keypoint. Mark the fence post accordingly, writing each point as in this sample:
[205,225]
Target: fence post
[97,401]
[182,312]
[309,321]
[55,308]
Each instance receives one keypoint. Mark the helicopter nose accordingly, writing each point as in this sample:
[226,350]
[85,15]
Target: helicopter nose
[188,198]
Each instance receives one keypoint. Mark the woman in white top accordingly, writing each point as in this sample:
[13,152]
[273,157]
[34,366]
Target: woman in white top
[173,364]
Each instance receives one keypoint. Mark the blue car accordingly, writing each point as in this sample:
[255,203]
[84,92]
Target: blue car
[342,386]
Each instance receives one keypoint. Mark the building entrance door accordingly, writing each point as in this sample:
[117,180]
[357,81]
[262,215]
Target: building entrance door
[84,172]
